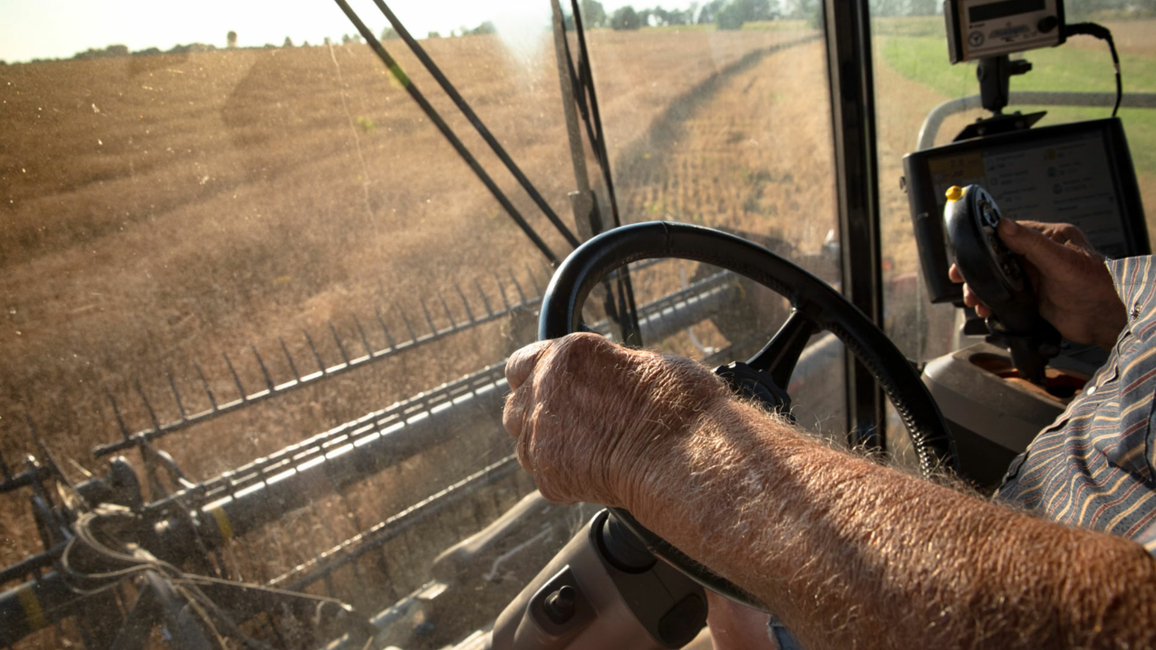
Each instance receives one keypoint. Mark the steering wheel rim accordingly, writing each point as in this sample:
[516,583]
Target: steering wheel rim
[818,303]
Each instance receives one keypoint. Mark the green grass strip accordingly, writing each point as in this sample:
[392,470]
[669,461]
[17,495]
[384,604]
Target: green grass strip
[924,59]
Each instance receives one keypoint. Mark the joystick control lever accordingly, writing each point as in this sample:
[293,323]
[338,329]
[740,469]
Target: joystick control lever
[996,276]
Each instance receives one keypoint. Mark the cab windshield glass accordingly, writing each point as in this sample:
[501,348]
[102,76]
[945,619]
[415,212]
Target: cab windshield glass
[275,277]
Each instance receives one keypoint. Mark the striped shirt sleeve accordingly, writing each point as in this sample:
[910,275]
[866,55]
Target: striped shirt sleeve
[1094,467]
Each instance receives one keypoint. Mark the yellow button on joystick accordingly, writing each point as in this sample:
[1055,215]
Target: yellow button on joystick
[954,193]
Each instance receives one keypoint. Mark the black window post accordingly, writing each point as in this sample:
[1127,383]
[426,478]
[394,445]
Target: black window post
[849,65]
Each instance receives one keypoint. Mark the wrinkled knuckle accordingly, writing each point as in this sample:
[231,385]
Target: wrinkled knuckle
[579,354]
[564,350]
[522,454]
[584,344]
[525,451]
[512,416]
[511,370]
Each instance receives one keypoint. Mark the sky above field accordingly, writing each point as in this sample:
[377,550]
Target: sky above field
[60,28]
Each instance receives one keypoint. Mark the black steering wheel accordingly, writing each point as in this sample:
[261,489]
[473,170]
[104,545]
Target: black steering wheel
[816,306]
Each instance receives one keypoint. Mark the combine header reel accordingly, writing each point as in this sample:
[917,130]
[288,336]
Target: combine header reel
[131,554]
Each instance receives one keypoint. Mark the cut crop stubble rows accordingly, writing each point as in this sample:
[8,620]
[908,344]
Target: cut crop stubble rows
[160,212]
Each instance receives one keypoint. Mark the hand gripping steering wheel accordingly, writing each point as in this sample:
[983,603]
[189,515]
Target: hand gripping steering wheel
[816,306]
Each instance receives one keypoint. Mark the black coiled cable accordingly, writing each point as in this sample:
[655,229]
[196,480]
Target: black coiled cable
[1104,34]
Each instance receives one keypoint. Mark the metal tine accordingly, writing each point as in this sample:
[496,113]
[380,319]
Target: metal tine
[534,281]
[236,378]
[145,447]
[364,338]
[31,467]
[176,395]
[485,300]
[264,370]
[337,340]
[144,398]
[521,294]
[51,458]
[289,358]
[429,321]
[205,383]
[35,433]
[466,303]
[320,363]
[502,290]
[384,329]
[116,413]
[471,317]
[446,307]
[408,326]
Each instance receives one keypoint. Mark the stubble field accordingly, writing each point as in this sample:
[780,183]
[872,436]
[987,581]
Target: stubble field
[161,212]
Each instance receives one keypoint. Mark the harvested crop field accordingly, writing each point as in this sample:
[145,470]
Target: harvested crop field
[160,215]
[164,212]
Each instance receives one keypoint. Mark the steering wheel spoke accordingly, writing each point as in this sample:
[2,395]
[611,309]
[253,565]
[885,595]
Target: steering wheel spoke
[780,355]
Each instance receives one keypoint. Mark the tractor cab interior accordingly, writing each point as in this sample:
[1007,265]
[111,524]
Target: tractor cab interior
[261,268]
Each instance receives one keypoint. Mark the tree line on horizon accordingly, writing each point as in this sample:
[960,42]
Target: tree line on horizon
[733,14]
[117,50]
[724,14]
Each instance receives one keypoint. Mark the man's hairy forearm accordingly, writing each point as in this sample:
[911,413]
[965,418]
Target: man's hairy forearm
[848,553]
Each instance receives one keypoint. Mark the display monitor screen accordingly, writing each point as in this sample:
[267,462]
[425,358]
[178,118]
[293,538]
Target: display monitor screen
[1075,173]
[980,13]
